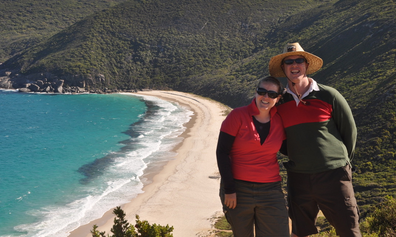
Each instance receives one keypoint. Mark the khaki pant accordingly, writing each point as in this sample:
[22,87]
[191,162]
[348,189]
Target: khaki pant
[261,209]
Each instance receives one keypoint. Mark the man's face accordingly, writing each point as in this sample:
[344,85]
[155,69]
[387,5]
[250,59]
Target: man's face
[295,67]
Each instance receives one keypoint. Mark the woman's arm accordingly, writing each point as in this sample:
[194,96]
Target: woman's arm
[223,150]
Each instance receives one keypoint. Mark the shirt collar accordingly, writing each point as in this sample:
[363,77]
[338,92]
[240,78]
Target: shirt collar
[253,110]
[313,86]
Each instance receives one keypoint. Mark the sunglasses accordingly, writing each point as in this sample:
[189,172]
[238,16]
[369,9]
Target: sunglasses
[271,94]
[291,61]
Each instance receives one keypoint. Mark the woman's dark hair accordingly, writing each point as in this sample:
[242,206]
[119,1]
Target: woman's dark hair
[273,80]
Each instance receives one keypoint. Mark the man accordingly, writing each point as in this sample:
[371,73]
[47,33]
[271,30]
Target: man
[321,136]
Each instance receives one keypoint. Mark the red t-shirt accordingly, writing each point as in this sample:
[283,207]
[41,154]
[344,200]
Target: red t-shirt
[251,160]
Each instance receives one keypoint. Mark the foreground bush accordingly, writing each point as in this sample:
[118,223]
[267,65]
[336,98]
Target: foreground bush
[122,228]
[383,220]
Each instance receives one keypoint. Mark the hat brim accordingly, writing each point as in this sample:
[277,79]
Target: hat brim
[275,64]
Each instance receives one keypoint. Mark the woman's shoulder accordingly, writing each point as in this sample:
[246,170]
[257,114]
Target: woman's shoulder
[239,111]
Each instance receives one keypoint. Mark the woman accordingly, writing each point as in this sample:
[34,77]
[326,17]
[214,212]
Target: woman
[249,139]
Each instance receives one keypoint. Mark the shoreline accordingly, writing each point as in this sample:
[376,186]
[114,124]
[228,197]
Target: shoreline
[182,193]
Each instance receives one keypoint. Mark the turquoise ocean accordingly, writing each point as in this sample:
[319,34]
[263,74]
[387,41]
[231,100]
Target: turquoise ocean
[67,159]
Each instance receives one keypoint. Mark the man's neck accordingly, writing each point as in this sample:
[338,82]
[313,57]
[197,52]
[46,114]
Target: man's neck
[299,87]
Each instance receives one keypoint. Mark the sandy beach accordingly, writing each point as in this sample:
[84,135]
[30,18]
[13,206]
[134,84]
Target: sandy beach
[184,192]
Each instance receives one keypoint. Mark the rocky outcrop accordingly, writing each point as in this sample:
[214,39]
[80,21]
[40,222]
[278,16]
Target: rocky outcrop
[41,82]
[49,83]
[5,83]
[43,86]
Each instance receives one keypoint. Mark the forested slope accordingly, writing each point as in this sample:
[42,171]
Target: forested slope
[24,23]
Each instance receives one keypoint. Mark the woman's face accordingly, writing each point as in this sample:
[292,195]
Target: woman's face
[264,102]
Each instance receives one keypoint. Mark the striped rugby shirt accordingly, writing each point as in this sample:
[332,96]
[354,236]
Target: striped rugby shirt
[321,133]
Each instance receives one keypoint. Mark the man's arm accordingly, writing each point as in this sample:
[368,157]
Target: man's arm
[345,122]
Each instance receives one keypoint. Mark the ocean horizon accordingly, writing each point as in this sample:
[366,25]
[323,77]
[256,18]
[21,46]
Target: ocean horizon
[67,159]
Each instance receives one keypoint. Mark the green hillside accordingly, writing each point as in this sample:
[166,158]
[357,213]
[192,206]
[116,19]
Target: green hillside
[141,44]
[219,49]
[24,23]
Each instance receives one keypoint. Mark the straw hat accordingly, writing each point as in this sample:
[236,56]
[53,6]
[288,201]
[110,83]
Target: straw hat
[275,68]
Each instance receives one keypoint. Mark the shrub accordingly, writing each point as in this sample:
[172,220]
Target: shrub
[122,228]
[383,220]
